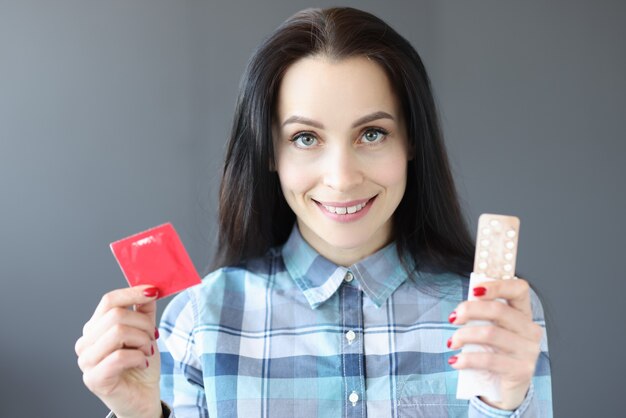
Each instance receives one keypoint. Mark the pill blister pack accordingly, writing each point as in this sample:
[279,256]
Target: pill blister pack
[495,257]
[496,246]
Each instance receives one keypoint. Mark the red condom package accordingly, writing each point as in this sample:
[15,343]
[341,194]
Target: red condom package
[156,257]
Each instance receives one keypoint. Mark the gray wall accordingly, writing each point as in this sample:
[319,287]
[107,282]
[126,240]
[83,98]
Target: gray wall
[114,116]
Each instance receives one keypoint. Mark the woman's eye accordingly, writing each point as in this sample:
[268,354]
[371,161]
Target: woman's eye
[374,135]
[371,136]
[304,140]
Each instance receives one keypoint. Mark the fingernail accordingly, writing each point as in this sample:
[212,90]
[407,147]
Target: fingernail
[151,292]
[147,364]
[479,291]
[152,350]
[156,333]
[452,317]
[449,343]
[452,360]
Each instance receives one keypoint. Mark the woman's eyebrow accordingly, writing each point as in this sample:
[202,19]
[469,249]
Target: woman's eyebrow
[365,119]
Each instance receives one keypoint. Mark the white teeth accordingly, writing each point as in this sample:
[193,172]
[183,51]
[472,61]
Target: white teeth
[342,210]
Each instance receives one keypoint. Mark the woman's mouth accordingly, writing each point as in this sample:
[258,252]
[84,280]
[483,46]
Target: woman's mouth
[347,211]
[342,210]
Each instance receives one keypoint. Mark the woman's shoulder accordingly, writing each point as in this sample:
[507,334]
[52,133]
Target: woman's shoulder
[222,285]
[439,284]
[256,268]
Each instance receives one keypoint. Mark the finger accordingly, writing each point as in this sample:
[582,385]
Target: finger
[498,313]
[116,338]
[119,316]
[125,298]
[516,292]
[149,309]
[107,373]
[499,338]
[80,345]
[510,367]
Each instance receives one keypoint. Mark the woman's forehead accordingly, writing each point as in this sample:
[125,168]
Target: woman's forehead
[317,87]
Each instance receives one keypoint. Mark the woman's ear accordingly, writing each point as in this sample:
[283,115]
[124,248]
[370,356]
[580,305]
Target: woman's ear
[272,159]
[411,153]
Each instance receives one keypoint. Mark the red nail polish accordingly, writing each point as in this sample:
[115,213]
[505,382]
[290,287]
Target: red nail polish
[152,349]
[452,317]
[147,364]
[156,333]
[151,292]
[449,343]
[480,291]
[452,360]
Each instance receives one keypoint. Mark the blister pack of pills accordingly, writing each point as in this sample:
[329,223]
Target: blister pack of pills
[495,257]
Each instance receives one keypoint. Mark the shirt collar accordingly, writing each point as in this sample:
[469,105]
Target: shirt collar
[379,274]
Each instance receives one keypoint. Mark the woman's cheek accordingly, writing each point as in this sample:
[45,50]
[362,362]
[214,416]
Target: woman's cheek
[295,176]
[390,170]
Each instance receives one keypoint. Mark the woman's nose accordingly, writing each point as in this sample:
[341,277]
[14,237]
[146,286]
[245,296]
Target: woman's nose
[342,169]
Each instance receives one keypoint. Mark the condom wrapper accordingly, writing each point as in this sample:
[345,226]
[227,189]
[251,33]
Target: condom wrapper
[156,257]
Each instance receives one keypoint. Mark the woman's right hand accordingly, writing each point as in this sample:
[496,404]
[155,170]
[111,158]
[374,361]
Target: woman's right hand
[118,353]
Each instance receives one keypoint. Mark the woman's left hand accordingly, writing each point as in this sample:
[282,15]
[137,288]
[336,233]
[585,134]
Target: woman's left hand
[513,335]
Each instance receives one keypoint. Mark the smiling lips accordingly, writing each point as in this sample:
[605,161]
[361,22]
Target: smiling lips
[345,208]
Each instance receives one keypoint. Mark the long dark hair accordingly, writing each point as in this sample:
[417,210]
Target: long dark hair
[429,229]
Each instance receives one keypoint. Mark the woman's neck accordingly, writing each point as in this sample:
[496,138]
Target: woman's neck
[347,256]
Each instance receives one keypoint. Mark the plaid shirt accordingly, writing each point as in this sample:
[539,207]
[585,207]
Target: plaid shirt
[292,334]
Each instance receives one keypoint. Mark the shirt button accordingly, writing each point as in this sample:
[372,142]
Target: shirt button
[350,336]
[354,398]
[348,277]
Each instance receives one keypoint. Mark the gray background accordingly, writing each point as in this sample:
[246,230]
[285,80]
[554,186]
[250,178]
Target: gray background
[114,116]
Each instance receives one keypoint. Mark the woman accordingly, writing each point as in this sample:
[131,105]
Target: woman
[343,258]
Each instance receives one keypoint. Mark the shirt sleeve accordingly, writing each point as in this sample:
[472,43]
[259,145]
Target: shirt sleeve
[167,413]
[181,372]
[538,401]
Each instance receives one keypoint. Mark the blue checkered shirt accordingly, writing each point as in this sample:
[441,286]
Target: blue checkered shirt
[291,334]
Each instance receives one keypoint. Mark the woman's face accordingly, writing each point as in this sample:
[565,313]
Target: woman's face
[341,154]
